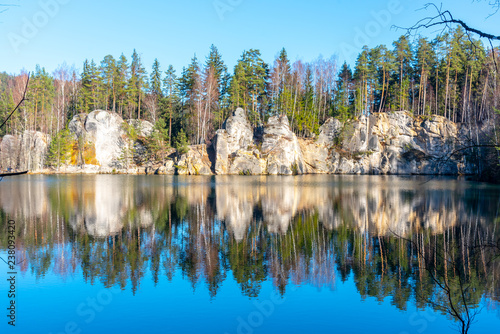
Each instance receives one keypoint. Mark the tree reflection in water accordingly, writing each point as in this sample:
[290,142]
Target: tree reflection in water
[432,244]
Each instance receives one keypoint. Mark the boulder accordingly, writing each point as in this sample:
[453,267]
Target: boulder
[167,169]
[316,156]
[247,163]
[194,162]
[221,152]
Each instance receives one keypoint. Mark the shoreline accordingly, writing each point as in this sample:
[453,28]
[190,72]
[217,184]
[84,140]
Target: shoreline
[142,171]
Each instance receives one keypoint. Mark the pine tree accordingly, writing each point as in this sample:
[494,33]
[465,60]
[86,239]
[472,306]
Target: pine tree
[249,84]
[136,86]
[344,94]
[361,81]
[108,73]
[403,55]
[155,79]
[59,149]
[122,80]
[424,64]
[181,142]
[190,92]
[155,92]
[172,97]
[221,76]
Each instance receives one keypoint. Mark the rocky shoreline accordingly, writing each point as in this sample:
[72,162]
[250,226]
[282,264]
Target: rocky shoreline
[384,143]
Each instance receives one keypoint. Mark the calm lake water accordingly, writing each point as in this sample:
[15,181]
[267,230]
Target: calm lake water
[303,254]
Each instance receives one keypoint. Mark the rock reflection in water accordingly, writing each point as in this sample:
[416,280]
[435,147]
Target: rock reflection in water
[300,230]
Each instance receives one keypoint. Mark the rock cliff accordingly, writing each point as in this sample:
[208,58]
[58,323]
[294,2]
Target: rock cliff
[26,151]
[382,143]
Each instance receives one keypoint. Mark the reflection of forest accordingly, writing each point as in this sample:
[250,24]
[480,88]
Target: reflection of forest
[300,230]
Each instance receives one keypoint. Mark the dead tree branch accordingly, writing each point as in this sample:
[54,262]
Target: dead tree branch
[20,102]
[445,18]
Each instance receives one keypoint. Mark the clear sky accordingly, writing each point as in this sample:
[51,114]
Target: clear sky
[50,32]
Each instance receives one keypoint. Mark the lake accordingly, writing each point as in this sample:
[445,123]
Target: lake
[237,254]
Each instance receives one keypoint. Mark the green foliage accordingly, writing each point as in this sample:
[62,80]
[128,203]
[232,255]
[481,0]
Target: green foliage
[131,131]
[344,97]
[181,142]
[127,155]
[59,151]
[248,86]
[157,143]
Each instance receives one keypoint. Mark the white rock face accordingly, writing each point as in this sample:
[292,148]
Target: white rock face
[329,131]
[281,148]
[239,131]
[144,128]
[24,152]
[105,130]
[383,143]
[236,134]
[390,143]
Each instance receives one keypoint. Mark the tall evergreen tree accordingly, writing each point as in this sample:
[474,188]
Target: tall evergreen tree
[171,84]
[248,86]
[122,80]
[137,84]
[403,56]
[108,73]
[344,94]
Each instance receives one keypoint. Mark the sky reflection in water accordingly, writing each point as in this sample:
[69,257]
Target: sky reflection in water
[241,254]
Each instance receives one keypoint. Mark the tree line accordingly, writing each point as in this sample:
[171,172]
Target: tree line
[453,75]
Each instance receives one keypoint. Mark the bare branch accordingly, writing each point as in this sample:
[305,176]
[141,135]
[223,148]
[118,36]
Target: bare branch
[445,19]
[20,102]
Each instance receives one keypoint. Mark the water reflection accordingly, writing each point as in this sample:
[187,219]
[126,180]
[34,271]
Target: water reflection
[386,233]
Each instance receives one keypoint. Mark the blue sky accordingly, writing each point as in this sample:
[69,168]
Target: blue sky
[50,32]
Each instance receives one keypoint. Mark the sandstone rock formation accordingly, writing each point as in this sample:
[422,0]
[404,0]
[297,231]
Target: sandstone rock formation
[236,134]
[398,143]
[194,162]
[106,132]
[281,148]
[381,143]
[26,151]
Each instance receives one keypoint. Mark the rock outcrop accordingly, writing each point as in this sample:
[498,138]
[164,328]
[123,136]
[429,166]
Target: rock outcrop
[194,162]
[26,151]
[234,139]
[397,143]
[381,143]
[105,132]
[281,148]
